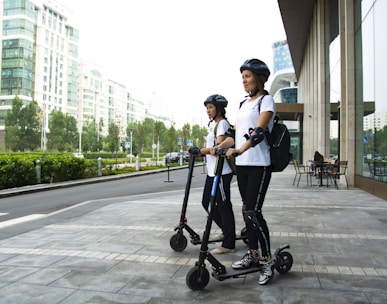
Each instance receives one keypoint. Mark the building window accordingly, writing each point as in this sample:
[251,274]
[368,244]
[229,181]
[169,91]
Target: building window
[371,79]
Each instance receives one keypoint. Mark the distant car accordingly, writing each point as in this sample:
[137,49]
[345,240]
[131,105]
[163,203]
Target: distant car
[172,157]
[185,156]
[78,155]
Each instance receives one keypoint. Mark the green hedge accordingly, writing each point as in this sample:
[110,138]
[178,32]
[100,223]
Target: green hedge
[17,170]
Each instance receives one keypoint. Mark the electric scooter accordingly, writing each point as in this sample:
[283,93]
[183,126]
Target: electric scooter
[198,277]
[178,241]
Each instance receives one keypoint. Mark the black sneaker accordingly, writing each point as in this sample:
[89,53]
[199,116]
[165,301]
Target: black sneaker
[247,261]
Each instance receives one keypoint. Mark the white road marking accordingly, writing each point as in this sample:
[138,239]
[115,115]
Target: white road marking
[22,219]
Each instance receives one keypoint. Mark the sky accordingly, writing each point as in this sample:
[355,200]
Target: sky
[172,54]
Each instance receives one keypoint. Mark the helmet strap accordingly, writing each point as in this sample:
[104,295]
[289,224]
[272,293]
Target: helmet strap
[253,92]
[259,83]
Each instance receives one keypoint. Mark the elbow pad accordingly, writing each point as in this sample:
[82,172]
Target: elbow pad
[257,137]
[230,133]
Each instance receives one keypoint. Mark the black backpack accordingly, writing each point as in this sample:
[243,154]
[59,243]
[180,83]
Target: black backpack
[279,142]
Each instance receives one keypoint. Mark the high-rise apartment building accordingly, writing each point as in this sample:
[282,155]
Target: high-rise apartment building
[39,62]
[39,57]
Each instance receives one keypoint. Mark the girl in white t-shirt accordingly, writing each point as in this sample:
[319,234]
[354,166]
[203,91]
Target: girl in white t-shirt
[224,215]
[256,115]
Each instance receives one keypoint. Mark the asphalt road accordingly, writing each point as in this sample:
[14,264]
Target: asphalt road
[46,202]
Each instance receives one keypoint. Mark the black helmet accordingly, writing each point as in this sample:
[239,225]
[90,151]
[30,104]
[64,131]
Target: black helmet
[256,66]
[217,100]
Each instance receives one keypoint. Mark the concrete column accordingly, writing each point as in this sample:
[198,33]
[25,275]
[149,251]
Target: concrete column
[348,89]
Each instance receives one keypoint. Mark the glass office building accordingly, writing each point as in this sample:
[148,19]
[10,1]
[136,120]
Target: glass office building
[338,49]
[281,56]
[39,57]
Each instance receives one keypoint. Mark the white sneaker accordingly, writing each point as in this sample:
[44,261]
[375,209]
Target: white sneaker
[267,272]
[246,262]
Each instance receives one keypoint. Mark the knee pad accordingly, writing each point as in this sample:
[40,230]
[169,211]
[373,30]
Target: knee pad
[251,219]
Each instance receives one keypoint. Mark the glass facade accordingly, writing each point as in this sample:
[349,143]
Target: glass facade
[281,56]
[17,68]
[287,95]
[371,50]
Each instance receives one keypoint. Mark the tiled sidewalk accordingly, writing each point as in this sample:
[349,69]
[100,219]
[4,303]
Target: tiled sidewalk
[120,252]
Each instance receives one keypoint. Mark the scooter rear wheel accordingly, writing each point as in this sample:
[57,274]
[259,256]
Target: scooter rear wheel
[284,262]
[197,278]
[178,242]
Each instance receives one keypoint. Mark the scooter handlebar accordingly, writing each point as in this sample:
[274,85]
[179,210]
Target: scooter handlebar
[223,151]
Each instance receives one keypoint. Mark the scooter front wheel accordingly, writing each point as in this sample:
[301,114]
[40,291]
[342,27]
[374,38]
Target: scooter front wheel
[178,242]
[197,278]
[284,262]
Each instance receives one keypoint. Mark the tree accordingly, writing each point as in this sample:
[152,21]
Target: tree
[63,135]
[186,134]
[29,127]
[12,138]
[22,131]
[148,133]
[198,135]
[113,138]
[90,136]
[12,135]
[140,134]
[99,135]
[171,139]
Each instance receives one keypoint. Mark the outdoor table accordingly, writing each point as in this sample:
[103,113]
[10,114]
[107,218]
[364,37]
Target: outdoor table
[321,166]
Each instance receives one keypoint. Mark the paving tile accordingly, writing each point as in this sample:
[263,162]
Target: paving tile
[114,254]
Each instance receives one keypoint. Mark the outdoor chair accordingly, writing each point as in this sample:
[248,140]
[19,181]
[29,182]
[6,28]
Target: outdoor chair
[329,170]
[300,171]
[340,170]
[380,170]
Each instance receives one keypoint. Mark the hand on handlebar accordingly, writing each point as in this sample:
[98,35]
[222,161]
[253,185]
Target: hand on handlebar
[232,153]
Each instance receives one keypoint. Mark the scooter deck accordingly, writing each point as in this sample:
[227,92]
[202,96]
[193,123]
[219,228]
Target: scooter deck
[233,273]
[198,241]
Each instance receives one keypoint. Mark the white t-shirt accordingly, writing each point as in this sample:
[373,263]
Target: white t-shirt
[246,118]
[222,128]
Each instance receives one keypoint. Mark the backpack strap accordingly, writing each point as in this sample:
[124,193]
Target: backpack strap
[267,133]
[216,128]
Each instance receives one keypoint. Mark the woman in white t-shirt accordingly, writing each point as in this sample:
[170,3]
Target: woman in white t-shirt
[224,215]
[256,115]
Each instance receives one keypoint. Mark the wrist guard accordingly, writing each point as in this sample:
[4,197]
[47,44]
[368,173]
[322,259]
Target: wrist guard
[194,150]
[257,137]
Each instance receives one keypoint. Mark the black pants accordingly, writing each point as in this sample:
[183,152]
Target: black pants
[224,214]
[253,183]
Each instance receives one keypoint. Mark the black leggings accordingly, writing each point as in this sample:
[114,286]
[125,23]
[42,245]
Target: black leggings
[253,183]
[224,215]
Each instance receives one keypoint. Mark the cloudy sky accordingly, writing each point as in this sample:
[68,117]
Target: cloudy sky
[172,54]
